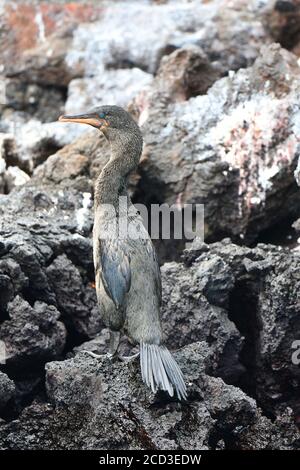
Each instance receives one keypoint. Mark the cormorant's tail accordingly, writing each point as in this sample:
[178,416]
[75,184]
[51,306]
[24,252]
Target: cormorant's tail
[160,370]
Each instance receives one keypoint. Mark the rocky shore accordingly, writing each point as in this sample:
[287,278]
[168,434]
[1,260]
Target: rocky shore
[215,88]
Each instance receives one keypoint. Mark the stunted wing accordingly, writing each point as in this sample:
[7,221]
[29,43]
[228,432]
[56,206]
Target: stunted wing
[115,269]
[155,267]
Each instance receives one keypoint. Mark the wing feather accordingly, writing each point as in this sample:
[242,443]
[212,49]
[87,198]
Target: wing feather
[115,270]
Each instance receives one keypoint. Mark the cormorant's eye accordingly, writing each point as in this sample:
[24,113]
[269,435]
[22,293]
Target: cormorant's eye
[102,115]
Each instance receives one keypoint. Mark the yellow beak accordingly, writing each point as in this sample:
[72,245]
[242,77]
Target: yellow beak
[91,118]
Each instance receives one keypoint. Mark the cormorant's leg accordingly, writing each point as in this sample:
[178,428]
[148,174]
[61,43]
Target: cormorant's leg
[114,341]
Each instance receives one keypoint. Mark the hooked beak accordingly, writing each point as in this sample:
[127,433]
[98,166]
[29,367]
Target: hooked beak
[90,118]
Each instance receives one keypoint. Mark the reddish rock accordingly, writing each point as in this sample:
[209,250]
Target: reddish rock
[185,73]
[59,168]
[37,37]
[29,24]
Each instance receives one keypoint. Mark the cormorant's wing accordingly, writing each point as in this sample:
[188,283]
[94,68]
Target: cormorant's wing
[115,269]
[156,274]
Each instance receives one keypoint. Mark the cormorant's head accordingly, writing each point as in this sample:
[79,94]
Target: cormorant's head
[108,119]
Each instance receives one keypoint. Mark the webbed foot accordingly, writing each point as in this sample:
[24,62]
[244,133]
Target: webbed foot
[96,356]
[113,348]
[109,356]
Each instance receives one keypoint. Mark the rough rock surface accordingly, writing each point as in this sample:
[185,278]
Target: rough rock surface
[167,26]
[234,149]
[47,238]
[184,73]
[61,57]
[31,335]
[114,86]
[7,390]
[203,300]
[113,66]
[263,303]
[104,406]
[194,309]
[220,118]
[282,21]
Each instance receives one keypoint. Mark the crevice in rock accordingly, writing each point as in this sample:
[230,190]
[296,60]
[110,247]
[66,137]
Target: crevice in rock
[148,190]
[229,367]
[40,100]
[219,436]
[31,295]
[141,432]
[9,413]
[45,148]
[167,249]
[74,337]
[289,34]
[242,312]
[3,314]
[281,233]
[29,387]
[11,156]
[28,367]
[219,235]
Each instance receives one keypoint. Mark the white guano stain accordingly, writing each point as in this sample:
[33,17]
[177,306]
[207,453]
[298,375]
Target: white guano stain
[41,26]
[82,213]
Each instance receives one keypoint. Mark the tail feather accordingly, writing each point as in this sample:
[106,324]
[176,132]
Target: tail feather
[151,366]
[163,380]
[161,371]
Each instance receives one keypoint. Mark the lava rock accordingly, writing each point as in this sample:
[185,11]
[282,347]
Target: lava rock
[191,311]
[38,37]
[32,334]
[207,146]
[14,177]
[230,143]
[111,86]
[7,390]
[234,149]
[281,19]
[184,73]
[264,434]
[85,414]
[32,142]
[74,300]
[263,304]
[58,169]
[46,254]
[56,59]
[233,39]
[42,102]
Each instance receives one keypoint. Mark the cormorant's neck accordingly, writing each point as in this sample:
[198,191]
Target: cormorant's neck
[126,150]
